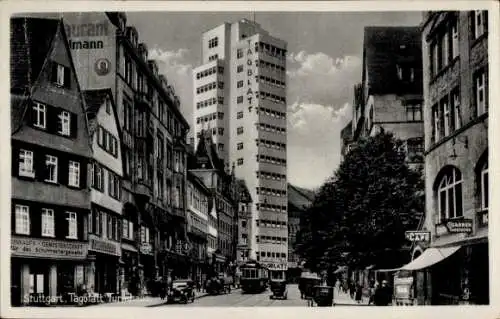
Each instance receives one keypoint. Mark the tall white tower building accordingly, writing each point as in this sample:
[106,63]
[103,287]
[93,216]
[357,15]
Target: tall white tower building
[240,96]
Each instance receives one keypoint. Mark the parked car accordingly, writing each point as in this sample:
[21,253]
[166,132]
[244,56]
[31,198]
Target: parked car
[182,291]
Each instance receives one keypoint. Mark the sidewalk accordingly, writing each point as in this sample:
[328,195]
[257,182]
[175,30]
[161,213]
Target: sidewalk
[344,299]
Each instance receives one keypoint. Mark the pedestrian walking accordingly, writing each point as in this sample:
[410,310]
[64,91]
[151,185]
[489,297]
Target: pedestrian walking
[337,286]
[383,295]
[359,293]
[373,288]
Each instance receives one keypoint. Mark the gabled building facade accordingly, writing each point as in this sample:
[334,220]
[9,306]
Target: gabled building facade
[153,131]
[105,179]
[210,169]
[243,225]
[390,94]
[197,225]
[50,152]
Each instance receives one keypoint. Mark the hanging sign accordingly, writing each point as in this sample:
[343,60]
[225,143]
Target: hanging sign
[418,236]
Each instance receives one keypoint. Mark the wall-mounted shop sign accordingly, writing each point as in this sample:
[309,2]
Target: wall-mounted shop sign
[92,41]
[146,248]
[418,236]
[104,246]
[47,248]
[459,226]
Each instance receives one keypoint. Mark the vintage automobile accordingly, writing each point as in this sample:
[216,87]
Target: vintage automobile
[278,289]
[323,295]
[182,291]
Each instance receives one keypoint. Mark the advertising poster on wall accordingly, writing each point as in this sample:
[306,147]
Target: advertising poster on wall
[92,41]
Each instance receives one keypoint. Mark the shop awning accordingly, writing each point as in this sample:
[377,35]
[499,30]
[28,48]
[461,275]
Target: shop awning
[430,257]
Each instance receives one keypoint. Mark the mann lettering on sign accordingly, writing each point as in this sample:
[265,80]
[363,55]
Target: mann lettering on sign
[86,30]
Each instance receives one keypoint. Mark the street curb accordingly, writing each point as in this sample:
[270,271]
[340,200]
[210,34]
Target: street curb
[196,297]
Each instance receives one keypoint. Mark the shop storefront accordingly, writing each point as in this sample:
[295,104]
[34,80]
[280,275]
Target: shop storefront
[45,270]
[130,270]
[107,255]
[149,269]
[453,274]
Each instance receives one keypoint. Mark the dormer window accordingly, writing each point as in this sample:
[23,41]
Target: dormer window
[405,73]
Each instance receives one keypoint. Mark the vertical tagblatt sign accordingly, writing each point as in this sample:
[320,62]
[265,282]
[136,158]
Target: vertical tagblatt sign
[92,42]
[251,73]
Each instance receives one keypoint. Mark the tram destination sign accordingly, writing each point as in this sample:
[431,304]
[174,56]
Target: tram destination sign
[418,236]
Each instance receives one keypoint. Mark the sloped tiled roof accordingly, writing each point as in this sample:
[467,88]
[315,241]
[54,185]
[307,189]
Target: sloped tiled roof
[30,41]
[299,198]
[242,193]
[95,99]
[206,150]
[383,49]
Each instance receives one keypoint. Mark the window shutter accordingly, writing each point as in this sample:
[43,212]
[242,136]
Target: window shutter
[53,72]
[485,20]
[63,170]
[59,224]
[73,125]
[83,175]
[39,166]
[67,77]
[15,161]
[35,227]
[53,125]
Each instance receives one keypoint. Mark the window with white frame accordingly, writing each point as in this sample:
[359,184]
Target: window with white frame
[60,74]
[48,222]
[74,174]
[39,115]
[457,115]
[449,194]
[72,225]
[26,163]
[104,225]
[454,39]
[480,92]
[485,191]
[22,220]
[479,22]
[64,123]
[51,168]
[445,108]
[413,112]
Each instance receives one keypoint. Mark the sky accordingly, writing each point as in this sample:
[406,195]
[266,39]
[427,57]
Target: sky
[323,65]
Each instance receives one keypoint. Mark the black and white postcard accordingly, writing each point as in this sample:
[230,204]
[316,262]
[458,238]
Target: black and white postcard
[327,159]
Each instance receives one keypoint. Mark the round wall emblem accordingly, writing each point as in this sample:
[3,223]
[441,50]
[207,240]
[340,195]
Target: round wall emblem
[102,66]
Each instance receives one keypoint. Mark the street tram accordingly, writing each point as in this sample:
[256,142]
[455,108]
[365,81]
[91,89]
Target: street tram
[254,277]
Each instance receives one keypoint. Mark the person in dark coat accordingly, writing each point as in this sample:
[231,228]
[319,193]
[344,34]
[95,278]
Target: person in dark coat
[359,293]
[383,295]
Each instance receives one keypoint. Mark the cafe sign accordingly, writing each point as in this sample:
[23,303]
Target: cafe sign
[418,236]
[47,248]
[104,246]
[459,226]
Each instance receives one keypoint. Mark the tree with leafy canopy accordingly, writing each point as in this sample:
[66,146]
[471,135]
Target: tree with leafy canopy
[360,214]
